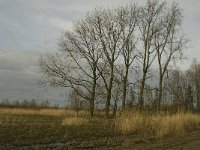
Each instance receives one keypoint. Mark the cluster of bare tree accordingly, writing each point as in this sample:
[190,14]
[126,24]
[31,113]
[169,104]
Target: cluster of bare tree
[110,54]
[181,88]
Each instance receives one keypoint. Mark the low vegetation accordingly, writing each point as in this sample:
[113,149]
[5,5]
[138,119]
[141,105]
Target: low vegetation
[53,129]
[60,128]
[157,125]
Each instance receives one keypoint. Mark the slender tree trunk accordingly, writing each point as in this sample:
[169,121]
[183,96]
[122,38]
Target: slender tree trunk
[93,92]
[107,110]
[160,92]
[141,98]
[125,90]
[198,96]
[92,107]
[92,103]
[145,68]
[115,104]
[109,93]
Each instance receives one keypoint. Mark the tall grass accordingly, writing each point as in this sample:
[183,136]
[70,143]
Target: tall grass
[157,125]
[130,122]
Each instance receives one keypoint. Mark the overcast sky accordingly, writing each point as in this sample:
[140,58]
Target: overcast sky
[29,28]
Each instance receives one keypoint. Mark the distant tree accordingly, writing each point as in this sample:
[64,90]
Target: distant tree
[75,100]
[24,103]
[132,100]
[194,74]
[44,104]
[177,87]
[148,94]
[33,103]
[5,102]
[189,98]
[55,106]
[16,103]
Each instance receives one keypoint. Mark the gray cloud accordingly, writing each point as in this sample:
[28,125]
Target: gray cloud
[31,27]
[19,74]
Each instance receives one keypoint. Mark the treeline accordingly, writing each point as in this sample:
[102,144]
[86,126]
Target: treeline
[5,103]
[182,88]
[111,56]
[181,91]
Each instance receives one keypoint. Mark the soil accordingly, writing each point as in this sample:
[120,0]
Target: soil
[191,141]
[35,132]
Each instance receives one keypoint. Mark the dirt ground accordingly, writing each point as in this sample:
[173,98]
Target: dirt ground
[191,141]
[46,132]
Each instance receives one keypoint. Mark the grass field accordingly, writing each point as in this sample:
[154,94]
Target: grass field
[53,129]
[62,129]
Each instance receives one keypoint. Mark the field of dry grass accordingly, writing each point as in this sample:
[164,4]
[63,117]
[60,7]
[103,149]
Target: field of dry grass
[58,128]
[45,111]
[157,125]
[54,129]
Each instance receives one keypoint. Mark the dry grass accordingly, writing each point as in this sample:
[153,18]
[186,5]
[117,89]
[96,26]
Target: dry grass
[145,125]
[74,121]
[157,125]
[18,111]
[47,112]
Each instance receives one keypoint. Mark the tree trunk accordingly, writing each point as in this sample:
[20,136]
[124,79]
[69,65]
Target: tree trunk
[141,98]
[107,110]
[109,93]
[160,92]
[93,95]
[92,107]
[115,105]
[198,96]
[124,90]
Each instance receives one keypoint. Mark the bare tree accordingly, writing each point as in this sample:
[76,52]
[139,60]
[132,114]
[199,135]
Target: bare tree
[194,74]
[169,42]
[160,29]
[103,47]
[177,87]
[116,29]
[76,64]
[75,100]
[148,27]
[130,18]
[132,98]
[116,94]
[189,98]
[92,50]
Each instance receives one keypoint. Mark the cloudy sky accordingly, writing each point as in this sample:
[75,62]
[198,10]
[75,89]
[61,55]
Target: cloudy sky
[29,28]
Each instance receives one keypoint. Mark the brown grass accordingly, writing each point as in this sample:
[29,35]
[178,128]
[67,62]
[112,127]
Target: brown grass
[48,112]
[157,125]
[18,111]
[142,124]
[77,121]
